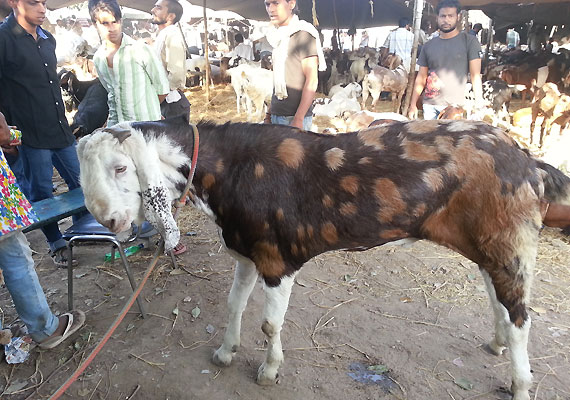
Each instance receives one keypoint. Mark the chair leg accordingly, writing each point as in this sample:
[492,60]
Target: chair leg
[70,277]
[130,276]
[116,244]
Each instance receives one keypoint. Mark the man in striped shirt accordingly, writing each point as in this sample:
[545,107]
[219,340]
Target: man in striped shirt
[130,71]
[400,42]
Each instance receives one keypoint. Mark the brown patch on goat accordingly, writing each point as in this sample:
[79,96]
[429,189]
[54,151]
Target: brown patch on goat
[220,166]
[291,153]
[421,127]
[327,201]
[372,137]
[390,199]
[446,227]
[420,210]
[329,233]
[237,237]
[301,233]
[419,152]
[266,226]
[268,259]
[444,144]
[310,231]
[280,215]
[393,234]
[259,170]
[348,209]
[221,210]
[364,161]
[208,181]
[304,251]
[334,158]
[350,184]
[433,179]
[294,249]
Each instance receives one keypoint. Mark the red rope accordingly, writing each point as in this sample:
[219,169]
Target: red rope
[113,327]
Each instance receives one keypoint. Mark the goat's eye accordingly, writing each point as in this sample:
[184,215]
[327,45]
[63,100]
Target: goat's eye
[120,170]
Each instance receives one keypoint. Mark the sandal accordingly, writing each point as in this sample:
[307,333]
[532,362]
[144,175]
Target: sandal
[59,258]
[75,320]
[180,248]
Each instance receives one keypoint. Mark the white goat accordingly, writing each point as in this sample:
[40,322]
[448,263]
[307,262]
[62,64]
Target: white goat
[419,179]
[253,86]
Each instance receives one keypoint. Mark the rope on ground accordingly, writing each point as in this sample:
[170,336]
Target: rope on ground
[113,327]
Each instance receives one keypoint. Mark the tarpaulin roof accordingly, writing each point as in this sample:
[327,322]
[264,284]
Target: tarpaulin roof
[357,13]
[512,12]
[330,13]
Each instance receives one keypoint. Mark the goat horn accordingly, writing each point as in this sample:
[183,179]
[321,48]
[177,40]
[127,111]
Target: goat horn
[118,132]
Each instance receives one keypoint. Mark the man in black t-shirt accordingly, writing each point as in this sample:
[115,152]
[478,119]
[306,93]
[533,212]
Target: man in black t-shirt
[445,62]
[30,98]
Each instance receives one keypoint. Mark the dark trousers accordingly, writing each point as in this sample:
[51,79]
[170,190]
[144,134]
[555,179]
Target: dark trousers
[180,107]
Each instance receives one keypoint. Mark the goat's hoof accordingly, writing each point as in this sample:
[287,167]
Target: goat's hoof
[521,396]
[222,358]
[265,377]
[495,348]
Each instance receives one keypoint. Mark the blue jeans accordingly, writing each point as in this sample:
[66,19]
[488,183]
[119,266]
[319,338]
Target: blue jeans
[24,287]
[431,111]
[38,167]
[286,120]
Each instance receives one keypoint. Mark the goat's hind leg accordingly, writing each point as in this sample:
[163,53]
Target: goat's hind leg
[244,281]
[509,289]
[276,303]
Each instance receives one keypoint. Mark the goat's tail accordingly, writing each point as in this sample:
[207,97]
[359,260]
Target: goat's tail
[556,184]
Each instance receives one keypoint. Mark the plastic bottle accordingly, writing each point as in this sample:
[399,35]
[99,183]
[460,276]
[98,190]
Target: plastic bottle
[128,252]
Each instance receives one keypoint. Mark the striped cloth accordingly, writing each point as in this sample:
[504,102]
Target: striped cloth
[134,82]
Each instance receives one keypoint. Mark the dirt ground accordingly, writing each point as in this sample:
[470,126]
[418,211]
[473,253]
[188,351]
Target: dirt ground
[418,315]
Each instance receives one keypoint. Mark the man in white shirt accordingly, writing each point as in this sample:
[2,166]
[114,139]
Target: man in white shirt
[400,42]
[170,47]
[242,50]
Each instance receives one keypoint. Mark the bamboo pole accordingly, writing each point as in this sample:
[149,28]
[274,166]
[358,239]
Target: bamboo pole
[206,54]
[418,9]
[489,46]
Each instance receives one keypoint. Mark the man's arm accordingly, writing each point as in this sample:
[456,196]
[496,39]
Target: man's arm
[419,85]
[176,62]
[310,67]
[476,82]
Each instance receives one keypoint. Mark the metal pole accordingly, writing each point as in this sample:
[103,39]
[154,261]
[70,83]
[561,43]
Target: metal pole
[489,46]
[206,54]
[418,8]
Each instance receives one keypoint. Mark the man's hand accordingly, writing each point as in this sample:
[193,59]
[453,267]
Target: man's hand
[413,112]
[297,122]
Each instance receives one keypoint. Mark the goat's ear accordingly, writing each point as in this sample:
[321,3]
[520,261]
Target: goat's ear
[155,195]
[119,131]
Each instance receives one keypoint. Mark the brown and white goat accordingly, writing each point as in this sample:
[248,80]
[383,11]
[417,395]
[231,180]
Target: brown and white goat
[553,106]
[462,184]
[382,79]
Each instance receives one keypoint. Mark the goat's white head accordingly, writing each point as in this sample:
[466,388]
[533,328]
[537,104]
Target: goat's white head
[122,182]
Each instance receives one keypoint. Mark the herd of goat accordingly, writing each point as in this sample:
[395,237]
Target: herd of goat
[352,77]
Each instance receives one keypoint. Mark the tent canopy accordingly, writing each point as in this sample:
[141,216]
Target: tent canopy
[357,13]
[330,13]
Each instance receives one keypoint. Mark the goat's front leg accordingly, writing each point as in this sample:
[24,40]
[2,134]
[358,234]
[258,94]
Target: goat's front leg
[244,281]
[276,303]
